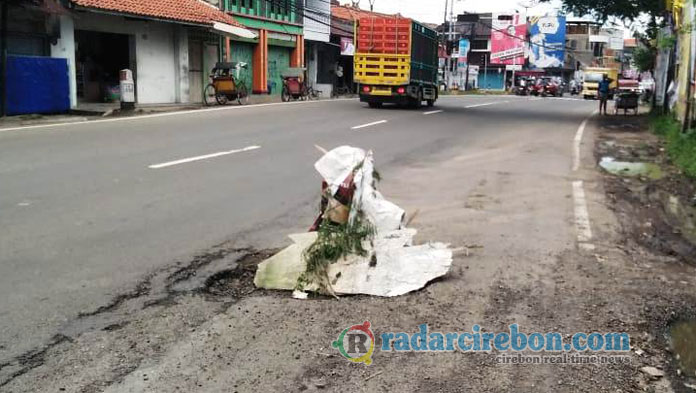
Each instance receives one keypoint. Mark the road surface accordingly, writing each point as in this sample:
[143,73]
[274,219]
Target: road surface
[87,210]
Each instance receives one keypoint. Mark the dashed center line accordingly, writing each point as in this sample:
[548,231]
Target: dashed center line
[374,123]
[203,157]
[485,104]
[433,112]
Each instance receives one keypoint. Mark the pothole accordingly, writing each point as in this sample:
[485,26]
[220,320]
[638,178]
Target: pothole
[238,281]
[681,216]
[683,340]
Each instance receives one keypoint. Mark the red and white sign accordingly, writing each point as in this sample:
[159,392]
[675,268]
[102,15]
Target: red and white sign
[508,39]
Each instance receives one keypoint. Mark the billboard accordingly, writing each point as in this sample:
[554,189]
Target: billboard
[464,46]
[547,35]
[508,36]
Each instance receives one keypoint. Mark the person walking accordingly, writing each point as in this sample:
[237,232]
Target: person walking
[603,93]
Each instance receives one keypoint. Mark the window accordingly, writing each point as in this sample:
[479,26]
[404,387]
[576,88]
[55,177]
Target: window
[280,7]
[239,5]
[479,45]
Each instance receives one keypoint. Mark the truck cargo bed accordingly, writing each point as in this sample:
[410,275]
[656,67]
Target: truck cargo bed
[395,61]
[393,50]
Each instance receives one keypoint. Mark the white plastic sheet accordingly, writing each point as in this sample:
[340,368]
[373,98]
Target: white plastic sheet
[393,266]
[396,268]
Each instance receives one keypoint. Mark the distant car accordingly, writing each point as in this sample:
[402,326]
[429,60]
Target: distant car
[547,87]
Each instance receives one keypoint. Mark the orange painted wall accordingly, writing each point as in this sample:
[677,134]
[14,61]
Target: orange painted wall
[260,74]
[297,55]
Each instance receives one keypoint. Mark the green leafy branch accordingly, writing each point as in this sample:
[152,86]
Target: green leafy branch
[334,241]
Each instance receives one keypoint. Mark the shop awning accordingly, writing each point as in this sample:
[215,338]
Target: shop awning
[233,30]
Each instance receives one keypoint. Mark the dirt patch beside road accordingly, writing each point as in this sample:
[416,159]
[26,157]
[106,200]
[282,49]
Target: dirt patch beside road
[658,213]
[656,216]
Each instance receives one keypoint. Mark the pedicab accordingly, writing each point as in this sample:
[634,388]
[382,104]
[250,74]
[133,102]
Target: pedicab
[225,85]
[627,97]
[294,84]
[626,101]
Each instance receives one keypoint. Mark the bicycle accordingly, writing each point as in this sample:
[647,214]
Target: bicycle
[313,94]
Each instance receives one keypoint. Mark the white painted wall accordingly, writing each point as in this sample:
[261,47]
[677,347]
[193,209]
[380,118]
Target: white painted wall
[158,55]
[182,67]
[311,53]
[318,28]
[210,57]
[65,49]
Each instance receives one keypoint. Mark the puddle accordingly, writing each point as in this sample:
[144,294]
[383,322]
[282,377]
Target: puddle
[680,215]
[622,168]
[624,126]
[683,335]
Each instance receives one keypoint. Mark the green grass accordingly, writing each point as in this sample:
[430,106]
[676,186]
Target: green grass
[681,147]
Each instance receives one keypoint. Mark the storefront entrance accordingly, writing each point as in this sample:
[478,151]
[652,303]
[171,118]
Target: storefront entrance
[99,57]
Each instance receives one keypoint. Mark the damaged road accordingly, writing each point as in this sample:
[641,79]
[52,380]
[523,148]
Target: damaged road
[209,284]
[503,195]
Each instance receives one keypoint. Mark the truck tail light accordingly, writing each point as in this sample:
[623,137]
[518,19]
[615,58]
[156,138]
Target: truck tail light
[366,89]
[401,90]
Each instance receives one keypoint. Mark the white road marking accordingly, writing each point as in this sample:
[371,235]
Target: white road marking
[433,112]
[486,104]
[204,157]
[536,99]
[582,216]
[374,123]
[480,96]
[173,113]
[578,141]
[567,99]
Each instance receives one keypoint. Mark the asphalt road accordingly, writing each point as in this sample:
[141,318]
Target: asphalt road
[87,210]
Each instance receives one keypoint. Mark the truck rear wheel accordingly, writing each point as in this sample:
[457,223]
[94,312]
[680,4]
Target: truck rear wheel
[418,101]
[375,104]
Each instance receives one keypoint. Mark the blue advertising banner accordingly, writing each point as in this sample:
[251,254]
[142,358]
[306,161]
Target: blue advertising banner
[547,35]
[464,46]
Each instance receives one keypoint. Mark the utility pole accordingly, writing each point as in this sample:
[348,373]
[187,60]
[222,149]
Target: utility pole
[445,39]
[485,71]
[372,5]
[514,58]
[451,35]
[472,35]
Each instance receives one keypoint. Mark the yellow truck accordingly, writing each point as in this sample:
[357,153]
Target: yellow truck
[396,61]
[592,77]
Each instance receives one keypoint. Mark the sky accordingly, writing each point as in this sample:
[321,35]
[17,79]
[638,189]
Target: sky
[434,11]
